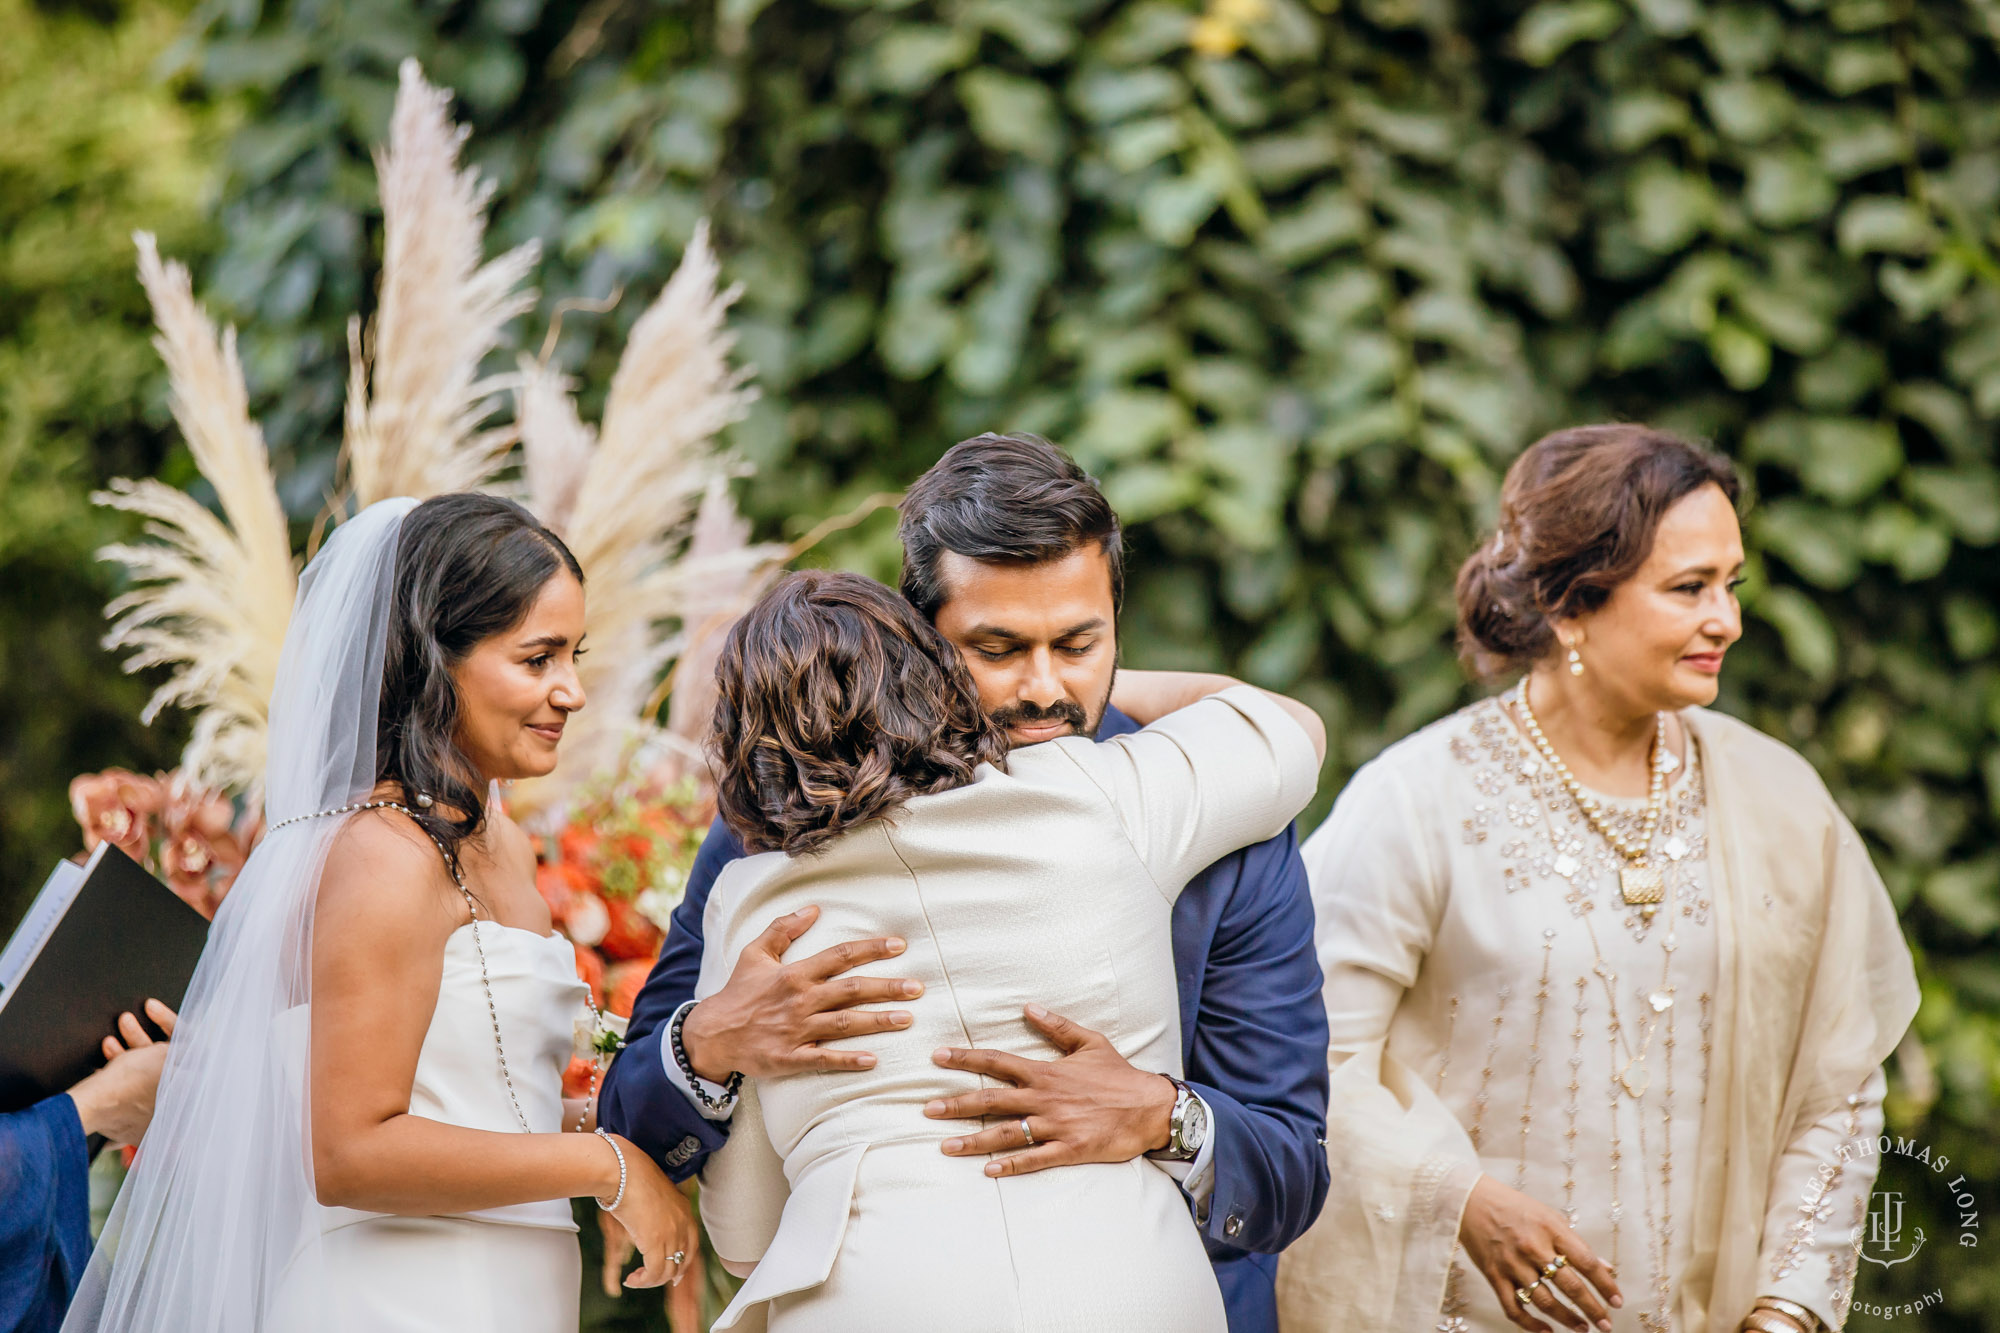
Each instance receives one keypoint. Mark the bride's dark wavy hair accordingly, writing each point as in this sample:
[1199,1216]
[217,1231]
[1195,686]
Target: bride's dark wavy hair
[467,567]
[836,702]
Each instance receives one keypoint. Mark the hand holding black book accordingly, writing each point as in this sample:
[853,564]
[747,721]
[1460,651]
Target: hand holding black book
[98,941]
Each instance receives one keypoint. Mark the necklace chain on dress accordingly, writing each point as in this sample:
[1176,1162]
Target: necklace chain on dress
[472,907]
[1641,883]
[1634,1077]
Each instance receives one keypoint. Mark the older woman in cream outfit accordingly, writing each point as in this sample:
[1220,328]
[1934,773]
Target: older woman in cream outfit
[1609,976]
[853,752]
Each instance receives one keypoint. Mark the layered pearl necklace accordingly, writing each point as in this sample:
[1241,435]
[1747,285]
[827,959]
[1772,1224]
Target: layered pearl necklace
[1641,883]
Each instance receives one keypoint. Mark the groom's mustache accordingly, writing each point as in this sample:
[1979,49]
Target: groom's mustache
[1024,714]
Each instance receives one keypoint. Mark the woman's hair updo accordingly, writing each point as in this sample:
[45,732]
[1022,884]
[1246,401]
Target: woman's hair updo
[467,567]
[1578,512]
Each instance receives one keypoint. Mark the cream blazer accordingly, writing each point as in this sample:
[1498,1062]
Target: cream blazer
[1052,881]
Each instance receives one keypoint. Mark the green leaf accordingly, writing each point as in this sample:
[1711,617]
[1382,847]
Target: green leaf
[1668,208]
[1971,626]
[1855,141]
[1742,37]
[911,57]
[1848,372]
[1669,18]
[1127,423]
[1741,355]
[1328,219]
[1637,118]
[1750,110]
[1818,543]
[1012,114]
[1140,492]
[1921,292]
[1848,458]
[1787,314]
[1140,143]
[1282,653]
[1107,95]
[1969,497]
[1552,27]
[1967,894]
[1880,223]
[1808,636]
[1172,208]
[1853,66]
[1895,535]
[1786,188]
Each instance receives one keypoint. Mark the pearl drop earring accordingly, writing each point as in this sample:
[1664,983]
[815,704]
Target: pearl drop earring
[1575,661]
[424,801]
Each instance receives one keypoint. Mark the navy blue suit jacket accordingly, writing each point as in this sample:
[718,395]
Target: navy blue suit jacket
[1253,1041]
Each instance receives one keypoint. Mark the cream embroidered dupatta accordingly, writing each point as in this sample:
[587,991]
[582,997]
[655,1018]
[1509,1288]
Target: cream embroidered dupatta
[1815,989]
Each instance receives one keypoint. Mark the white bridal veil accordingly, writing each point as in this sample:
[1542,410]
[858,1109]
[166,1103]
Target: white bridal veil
[219,1216]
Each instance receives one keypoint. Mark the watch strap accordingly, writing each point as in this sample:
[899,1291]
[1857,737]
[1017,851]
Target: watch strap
[1177,1149]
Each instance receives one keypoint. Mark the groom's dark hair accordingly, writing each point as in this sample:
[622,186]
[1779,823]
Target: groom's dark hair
[1004,500]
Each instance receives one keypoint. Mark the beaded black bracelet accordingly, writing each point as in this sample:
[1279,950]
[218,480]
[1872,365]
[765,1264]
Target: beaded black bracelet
[731,1086]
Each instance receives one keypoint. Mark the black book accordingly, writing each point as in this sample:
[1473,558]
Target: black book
[100,939]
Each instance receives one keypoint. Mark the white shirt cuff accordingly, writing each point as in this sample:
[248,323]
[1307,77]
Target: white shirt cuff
[1197,1177]
[726,1103]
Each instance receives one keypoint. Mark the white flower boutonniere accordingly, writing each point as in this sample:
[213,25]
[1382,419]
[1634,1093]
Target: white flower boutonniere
[598,1035]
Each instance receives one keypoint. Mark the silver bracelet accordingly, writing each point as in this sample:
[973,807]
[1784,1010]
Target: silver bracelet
[619,1197]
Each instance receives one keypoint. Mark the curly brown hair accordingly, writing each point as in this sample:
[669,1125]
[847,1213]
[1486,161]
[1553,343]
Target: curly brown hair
[837,702]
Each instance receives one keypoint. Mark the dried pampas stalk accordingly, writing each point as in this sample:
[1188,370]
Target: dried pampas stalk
[416,404]
[655,458]
[728,574]
[556,445]
[215,594]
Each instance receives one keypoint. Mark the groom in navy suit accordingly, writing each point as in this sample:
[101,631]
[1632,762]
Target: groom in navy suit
[1010,549]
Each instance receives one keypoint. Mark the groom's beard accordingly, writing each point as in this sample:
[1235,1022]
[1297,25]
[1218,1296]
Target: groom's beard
[1024,714]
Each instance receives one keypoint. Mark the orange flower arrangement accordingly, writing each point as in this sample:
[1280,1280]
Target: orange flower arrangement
[193,837]
[612,878]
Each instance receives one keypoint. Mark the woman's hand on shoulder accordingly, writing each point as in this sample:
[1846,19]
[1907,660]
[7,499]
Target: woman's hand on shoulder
[658,1218]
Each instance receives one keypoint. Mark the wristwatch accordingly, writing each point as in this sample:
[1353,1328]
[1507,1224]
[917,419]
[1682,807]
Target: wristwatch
[1187,1126]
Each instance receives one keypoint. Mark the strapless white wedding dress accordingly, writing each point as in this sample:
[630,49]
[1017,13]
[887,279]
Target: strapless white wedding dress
[502,1270]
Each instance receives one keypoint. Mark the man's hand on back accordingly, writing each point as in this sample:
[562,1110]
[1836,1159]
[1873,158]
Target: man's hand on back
[770,1016]
[1090,1105]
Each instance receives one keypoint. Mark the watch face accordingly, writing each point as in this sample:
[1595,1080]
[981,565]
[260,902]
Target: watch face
[1194,1126]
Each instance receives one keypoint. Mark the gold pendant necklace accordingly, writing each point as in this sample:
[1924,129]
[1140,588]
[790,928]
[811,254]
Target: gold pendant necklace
[1641,883]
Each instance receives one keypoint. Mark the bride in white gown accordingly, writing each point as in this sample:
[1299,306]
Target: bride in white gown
[361,1123]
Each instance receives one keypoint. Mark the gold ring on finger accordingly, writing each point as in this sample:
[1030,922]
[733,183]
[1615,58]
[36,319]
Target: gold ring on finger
[1555,1265]
[1027,1135]
[1526,1295]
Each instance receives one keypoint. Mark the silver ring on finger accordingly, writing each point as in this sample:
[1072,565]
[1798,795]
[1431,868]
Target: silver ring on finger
[677,1258]
[1027,1135]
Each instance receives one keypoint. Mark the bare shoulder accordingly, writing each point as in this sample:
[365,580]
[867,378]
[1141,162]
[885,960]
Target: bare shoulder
[384,872]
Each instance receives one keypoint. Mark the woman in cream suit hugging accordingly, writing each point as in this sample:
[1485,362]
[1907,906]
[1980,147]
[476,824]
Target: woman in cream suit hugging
[854,761]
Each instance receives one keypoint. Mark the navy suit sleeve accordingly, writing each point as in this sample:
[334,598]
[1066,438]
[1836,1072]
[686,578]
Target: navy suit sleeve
[44,1213]
[1258,1057]
[639,1100]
